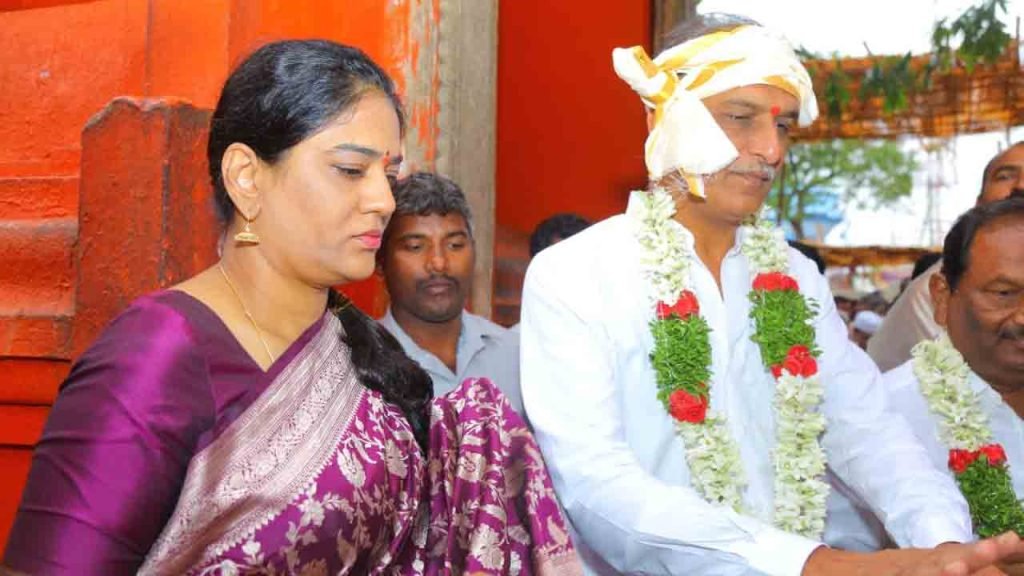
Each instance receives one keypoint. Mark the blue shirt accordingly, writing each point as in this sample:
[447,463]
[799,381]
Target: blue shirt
[485,349]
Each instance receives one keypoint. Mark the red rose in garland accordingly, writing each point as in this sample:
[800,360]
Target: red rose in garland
[773,281]
[684,307]
[959,459]
[798,362]
[686,407]
[994,453]
[767,282]
[687,304]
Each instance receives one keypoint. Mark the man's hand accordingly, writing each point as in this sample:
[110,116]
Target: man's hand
[979,558]
[975,559]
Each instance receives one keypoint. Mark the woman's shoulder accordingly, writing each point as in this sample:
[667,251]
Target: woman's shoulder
[162,304]
[154,328]
[160,313]
[148,368]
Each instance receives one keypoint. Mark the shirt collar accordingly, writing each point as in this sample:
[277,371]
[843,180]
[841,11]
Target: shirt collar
[392,325]
[687,236]
[476,328]
[983,389]
[475,331]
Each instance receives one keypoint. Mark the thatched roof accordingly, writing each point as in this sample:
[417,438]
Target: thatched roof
[988,99]
[846,256]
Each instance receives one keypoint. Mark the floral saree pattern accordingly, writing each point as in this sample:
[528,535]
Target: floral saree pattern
[321,476]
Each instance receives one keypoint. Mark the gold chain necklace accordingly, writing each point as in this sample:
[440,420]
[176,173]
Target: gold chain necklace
[259,332]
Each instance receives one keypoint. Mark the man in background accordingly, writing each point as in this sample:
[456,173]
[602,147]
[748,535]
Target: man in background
[427,260]
[865,324]
[554,229]
[911,318]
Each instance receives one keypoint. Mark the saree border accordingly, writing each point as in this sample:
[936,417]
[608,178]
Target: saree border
[264,459]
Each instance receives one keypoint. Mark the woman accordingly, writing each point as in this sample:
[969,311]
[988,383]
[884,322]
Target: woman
[249,420]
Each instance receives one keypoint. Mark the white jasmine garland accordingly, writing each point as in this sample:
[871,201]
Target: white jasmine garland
[714,460]
[978,464]
[712,454]
[665,259]
[942,378]
[765,247]
[800,492]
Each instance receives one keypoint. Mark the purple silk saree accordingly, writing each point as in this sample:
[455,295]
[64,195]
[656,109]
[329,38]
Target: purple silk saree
[305,473]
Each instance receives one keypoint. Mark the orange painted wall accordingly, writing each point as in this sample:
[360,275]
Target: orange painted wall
[570,133]
[64,61]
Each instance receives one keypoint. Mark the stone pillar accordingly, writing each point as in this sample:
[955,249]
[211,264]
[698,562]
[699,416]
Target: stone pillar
[146,216]
[467,121]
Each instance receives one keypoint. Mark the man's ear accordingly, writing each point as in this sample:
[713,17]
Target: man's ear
[938,287]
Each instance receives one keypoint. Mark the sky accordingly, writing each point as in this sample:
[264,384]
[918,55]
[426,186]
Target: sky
[888,27]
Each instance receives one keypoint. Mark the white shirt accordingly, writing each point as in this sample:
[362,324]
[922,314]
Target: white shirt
[485,349]
[618,467]
[910,320]
[1007,428]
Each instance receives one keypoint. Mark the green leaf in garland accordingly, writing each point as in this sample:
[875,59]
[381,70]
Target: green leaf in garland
[993,503]
[782,319]
[682,356]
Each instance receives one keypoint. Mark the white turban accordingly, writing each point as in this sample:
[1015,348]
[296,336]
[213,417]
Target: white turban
[685,136]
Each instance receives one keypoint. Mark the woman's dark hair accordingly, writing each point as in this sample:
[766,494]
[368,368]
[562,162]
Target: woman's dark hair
[280,95]
[284,93]
[956,251]
[383,366]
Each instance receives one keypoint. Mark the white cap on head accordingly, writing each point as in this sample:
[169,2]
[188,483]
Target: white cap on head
[867,321]
[686,138]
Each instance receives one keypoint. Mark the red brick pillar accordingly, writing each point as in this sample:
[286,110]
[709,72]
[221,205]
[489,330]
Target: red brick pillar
[145,221]
[146,211]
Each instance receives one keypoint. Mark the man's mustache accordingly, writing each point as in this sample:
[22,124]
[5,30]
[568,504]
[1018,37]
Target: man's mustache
[1015,332]
[765,171]
[435,279]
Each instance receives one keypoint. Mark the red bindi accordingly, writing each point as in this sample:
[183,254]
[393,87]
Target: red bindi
[776,110]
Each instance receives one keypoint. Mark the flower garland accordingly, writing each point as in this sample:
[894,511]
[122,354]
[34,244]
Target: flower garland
[978,464]
[682,358]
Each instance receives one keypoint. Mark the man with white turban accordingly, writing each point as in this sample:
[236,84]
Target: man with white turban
[686,372]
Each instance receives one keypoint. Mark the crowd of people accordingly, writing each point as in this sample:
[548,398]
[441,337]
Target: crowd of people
[683,395]
[888,328]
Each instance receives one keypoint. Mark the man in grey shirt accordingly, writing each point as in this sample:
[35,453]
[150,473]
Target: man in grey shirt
[427,260]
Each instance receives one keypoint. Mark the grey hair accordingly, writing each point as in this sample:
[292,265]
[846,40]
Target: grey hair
[427,193]
[702,25]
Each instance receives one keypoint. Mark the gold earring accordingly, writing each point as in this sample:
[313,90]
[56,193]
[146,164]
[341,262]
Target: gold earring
[247,236]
